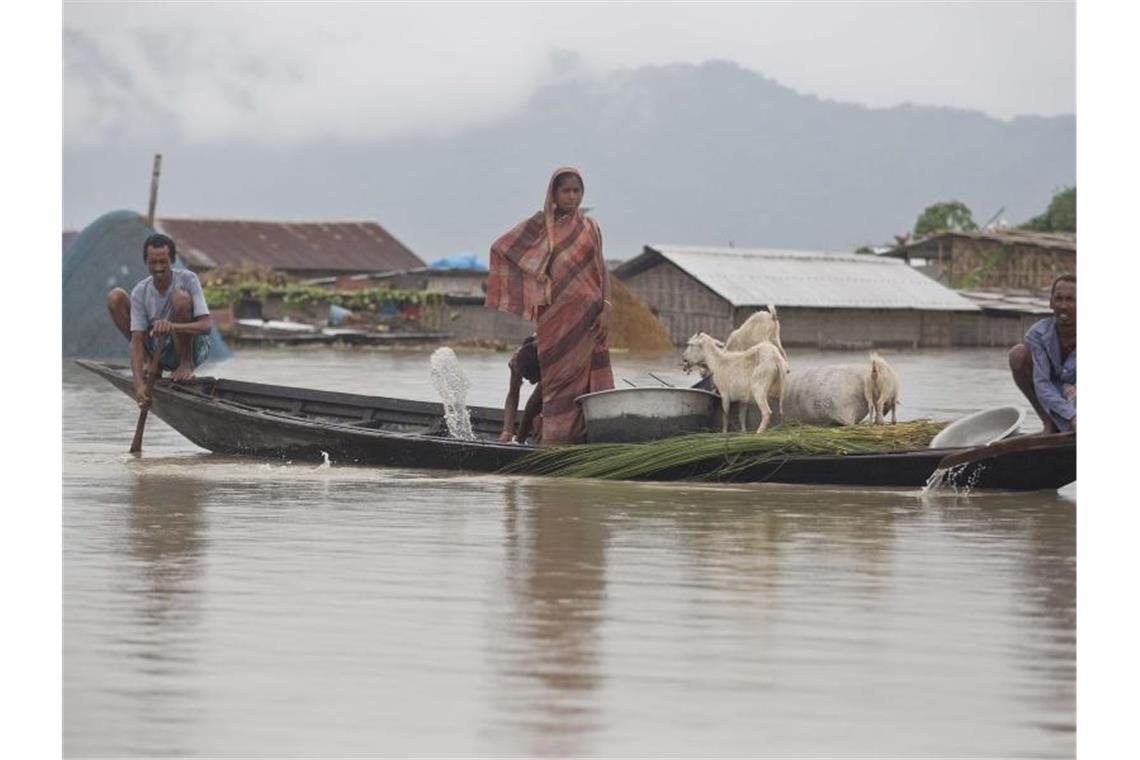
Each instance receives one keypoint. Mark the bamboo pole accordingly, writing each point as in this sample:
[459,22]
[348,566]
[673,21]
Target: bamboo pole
[153,189]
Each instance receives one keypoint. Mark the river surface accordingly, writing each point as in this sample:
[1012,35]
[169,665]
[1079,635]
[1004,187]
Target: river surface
[215,606]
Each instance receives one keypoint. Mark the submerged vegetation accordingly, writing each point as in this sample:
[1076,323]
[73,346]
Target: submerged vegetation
[734,452]
[221,296]
[227,286]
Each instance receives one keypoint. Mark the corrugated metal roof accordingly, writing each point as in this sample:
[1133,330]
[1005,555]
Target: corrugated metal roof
[754,277]
[1019,302]
[293,246]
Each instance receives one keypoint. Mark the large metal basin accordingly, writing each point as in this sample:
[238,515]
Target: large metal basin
[646,414]
[980,428]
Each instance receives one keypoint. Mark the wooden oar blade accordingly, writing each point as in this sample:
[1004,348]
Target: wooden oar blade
[153,371]
[136,442]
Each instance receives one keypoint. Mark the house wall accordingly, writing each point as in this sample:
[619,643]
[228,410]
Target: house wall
[853,328]
[457,283]
[994,329]
[469,319]
[990,264]
[686,307]
[683,305]
[936,329]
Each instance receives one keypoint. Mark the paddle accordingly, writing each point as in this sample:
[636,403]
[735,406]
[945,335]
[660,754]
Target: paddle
[152,373]
[1020,443]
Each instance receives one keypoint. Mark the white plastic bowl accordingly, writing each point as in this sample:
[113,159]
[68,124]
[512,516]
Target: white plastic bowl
[980,428]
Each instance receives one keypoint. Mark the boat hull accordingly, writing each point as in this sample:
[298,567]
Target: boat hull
[282,422]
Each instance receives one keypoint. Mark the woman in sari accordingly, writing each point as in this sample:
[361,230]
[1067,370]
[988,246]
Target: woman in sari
[549,269]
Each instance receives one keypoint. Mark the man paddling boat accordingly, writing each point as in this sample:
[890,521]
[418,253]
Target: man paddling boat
[168,306]
[1045,366]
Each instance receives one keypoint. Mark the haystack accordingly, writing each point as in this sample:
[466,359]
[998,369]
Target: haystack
[632,325]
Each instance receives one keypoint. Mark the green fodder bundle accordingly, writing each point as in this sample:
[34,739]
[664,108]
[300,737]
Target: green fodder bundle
[632,324]
[720,456]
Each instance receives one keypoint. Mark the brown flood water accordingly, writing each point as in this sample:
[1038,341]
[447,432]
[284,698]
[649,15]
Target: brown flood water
[220,606]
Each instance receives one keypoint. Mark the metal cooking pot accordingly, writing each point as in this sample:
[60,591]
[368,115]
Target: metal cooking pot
[646,414]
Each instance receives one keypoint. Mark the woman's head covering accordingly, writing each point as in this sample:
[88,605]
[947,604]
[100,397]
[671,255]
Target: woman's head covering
[518,281]
[549,206]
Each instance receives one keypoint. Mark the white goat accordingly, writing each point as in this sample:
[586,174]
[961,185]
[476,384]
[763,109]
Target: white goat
[832,394]
[741,376]
[881,390]
[759,327]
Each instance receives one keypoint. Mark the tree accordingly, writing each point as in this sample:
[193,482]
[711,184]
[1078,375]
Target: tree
[1061,216]
[942,217]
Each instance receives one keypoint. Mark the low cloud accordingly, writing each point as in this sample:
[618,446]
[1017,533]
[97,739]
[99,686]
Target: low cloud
[289,73]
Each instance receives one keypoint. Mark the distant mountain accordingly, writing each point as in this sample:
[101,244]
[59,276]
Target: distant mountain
[684,154]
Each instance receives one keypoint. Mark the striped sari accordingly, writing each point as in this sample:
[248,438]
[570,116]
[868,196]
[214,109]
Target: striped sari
[564,304]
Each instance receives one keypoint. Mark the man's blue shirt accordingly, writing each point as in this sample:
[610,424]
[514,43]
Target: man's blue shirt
[1050,373]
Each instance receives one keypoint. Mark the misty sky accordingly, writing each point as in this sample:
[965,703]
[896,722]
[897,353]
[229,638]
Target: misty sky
[292,72]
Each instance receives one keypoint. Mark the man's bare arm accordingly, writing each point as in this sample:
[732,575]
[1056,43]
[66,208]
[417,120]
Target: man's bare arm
[532,410]
[511,407]
[138,359]
[200,326]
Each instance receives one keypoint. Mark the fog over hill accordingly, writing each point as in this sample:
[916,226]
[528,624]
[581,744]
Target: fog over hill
[681,154]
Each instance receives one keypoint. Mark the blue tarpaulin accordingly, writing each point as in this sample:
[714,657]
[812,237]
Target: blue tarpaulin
[461,260]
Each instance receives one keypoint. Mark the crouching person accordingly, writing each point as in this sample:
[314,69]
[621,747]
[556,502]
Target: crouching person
[168,306]
[1045,366]
[524,366]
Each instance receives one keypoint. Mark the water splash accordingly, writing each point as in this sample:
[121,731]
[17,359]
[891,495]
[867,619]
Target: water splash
[959,479]
[451,384]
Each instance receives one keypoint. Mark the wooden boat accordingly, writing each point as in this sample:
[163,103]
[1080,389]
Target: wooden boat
[282,422]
